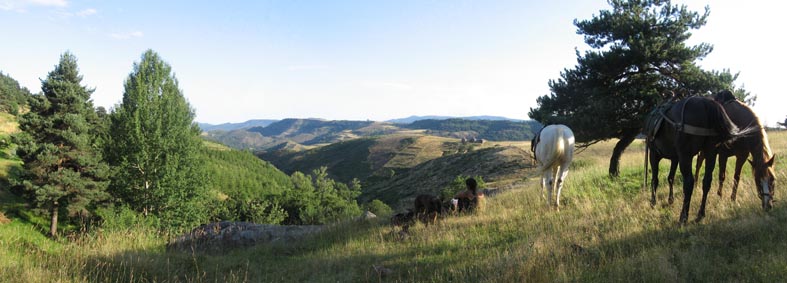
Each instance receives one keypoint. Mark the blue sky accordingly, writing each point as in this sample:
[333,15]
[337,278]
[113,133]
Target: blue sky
[357,60]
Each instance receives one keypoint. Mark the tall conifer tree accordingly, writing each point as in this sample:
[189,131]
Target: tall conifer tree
[154,145]
[63,168]
[639,53]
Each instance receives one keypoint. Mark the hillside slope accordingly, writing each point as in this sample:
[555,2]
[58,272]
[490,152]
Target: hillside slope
[396,168]
[236,126]
[605,231]
[499,166]
[316,132]
[364,157]
[311,131]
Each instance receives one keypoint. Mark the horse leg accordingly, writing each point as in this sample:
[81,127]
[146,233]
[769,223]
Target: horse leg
[673,167]
[722,170]
[707,181]
[561,176]
[547,183]
[553,181]
[700,159]
[654,179]
[688,185]
[739,161]
[543,185]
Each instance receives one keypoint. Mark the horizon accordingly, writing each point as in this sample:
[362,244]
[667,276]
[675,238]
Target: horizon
[356,60]
[418,117]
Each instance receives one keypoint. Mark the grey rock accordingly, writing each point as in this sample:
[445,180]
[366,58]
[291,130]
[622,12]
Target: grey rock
[220,237]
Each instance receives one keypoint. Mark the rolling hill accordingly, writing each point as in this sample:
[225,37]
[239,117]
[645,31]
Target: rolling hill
[236,126]
[412,119]
[315,132]
[496,130]
[396,168]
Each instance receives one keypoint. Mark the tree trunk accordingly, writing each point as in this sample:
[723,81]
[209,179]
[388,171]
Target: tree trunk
[53,226]
[625,140]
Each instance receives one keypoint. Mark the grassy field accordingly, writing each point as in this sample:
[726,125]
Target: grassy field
[606,231]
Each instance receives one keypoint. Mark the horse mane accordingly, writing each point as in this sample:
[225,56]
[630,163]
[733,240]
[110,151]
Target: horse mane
[754,126]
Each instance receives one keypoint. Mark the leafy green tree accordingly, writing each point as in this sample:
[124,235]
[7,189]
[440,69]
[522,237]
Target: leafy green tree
[317,199]
[63,169]
[154,146]
[638,54]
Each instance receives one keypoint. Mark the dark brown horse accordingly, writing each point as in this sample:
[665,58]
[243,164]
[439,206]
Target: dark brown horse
[427,208]
[755,144]
[690,126]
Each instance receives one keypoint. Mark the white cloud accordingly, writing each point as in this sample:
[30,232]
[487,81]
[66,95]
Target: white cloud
[52,3]
[127,35]
[21,5]
[87,12]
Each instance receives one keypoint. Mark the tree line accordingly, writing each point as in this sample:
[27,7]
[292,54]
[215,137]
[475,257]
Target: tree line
[146,157]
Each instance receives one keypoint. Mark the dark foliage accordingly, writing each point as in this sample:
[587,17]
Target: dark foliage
[11,94]
[501,130]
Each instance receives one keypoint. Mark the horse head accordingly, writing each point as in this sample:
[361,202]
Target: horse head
[766,181]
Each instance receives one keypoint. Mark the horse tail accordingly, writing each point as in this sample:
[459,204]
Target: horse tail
[560,147]
[553,148]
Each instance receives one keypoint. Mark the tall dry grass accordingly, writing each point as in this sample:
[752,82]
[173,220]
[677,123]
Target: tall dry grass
[606,231]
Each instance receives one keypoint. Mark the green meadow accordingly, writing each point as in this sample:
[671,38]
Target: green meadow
[605,231]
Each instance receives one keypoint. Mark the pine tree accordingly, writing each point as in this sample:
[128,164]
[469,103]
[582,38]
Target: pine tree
[154,146]
[63,168]
[639,53]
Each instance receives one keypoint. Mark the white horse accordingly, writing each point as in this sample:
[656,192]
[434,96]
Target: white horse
[554,149]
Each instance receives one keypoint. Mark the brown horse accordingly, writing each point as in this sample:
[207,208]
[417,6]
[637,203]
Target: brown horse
[755,144]
[427,207]
[690,126]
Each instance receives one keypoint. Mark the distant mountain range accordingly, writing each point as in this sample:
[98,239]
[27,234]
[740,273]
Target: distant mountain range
[296,134]
[236,126]
[411,119]
[206,127]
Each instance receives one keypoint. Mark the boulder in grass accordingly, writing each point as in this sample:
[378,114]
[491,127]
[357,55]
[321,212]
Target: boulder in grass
[220,237]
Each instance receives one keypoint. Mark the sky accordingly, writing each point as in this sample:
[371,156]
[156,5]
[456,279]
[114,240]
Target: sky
[358,60]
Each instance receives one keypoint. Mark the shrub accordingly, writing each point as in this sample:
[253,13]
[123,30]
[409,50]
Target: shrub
[379,208]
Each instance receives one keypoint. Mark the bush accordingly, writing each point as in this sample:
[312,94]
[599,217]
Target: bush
[124,218]
[379,208]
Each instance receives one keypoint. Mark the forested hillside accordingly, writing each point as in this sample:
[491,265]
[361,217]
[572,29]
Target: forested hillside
[289,133]
[236,126]
[75,168]
[309,131]
[396,168]
[245,188]
[12,96]
[494,130]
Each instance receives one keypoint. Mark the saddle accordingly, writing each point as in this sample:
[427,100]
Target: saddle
[659,114]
